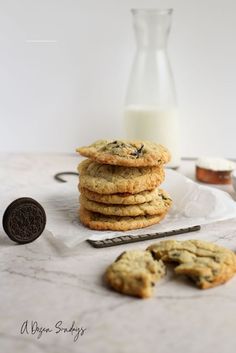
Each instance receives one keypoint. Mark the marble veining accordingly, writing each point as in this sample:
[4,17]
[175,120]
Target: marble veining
[45,283]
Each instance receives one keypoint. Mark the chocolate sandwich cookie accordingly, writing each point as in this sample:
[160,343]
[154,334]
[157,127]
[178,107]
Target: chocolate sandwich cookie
[24,220]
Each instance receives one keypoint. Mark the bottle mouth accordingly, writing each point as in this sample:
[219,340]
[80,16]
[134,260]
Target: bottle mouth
[152,11]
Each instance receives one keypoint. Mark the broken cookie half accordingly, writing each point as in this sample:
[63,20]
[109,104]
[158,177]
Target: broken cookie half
[207,264]
[135,273]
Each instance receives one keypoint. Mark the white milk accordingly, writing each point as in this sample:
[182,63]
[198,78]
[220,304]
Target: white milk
[157,125]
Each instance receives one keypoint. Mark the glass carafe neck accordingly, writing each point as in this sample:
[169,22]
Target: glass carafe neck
[151,28]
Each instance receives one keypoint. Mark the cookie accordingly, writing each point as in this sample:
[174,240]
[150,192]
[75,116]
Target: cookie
[126,153]
[24,220]
[98,221]
[135,273]
[120,198]
[160,204]
[206,263]
[111,179]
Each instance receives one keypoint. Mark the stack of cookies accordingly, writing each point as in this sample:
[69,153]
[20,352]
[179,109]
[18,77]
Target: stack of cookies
[119,185]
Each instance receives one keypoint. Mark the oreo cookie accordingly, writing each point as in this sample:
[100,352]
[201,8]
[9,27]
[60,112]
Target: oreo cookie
[24,220]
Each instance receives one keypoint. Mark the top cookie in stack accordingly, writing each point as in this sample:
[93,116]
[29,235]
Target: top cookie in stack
[126,153]
[119,184]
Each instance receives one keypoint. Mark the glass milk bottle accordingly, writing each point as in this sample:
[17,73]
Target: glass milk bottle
[150,106]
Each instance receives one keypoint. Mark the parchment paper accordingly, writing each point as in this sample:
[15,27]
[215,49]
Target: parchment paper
[193,204]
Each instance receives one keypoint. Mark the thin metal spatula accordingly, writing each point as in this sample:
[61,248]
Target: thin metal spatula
[125,239]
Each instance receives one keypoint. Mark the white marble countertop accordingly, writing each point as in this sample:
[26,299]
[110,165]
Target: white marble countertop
[43,284]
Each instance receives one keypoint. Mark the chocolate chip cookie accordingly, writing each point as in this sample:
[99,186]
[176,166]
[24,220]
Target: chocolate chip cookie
[98,221]
[207,264]
[161,203]
[112,179]
[126,153]
[135,273]
[121,198]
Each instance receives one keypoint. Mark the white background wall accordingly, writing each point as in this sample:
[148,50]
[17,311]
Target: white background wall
[67,92]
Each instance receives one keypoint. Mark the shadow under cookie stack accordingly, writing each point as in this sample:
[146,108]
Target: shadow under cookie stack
[119,185]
